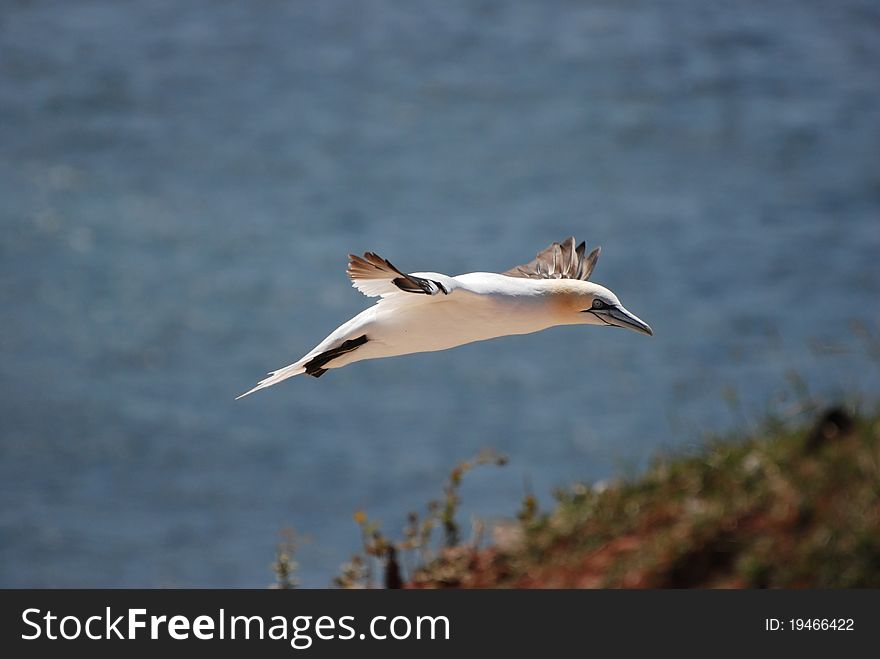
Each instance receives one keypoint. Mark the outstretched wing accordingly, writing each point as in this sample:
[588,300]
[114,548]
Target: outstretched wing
[372,275]
[559,261]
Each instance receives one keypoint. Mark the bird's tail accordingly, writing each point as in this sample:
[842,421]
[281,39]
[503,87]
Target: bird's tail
[277,376]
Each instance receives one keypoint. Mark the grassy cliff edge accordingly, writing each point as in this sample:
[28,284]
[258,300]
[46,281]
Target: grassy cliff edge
[788,507]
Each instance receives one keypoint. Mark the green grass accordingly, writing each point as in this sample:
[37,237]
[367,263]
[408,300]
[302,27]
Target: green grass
[786,507]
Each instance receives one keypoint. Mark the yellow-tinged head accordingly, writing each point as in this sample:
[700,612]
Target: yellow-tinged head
[585,303]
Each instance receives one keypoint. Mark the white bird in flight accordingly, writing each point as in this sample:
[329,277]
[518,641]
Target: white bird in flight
[428,311]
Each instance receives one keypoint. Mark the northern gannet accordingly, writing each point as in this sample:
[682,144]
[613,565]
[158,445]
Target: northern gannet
[428,311]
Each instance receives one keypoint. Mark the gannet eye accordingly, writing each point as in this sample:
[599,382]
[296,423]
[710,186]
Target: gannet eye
[599,304]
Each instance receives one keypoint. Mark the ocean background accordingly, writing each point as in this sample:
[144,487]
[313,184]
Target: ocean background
[181,183]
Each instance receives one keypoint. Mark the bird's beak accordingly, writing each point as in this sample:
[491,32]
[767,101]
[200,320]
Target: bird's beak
[620,317]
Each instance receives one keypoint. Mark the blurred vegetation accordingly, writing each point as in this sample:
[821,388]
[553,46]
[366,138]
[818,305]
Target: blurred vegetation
[285,565]
[419,546]
[791,505]
[787,507]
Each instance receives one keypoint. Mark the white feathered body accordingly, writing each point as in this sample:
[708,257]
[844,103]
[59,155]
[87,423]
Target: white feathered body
[478,306]
[482,306]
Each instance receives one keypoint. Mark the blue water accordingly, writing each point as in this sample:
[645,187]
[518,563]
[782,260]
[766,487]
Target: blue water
[181,183]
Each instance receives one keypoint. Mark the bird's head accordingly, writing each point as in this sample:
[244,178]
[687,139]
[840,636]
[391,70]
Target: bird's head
[586,303]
